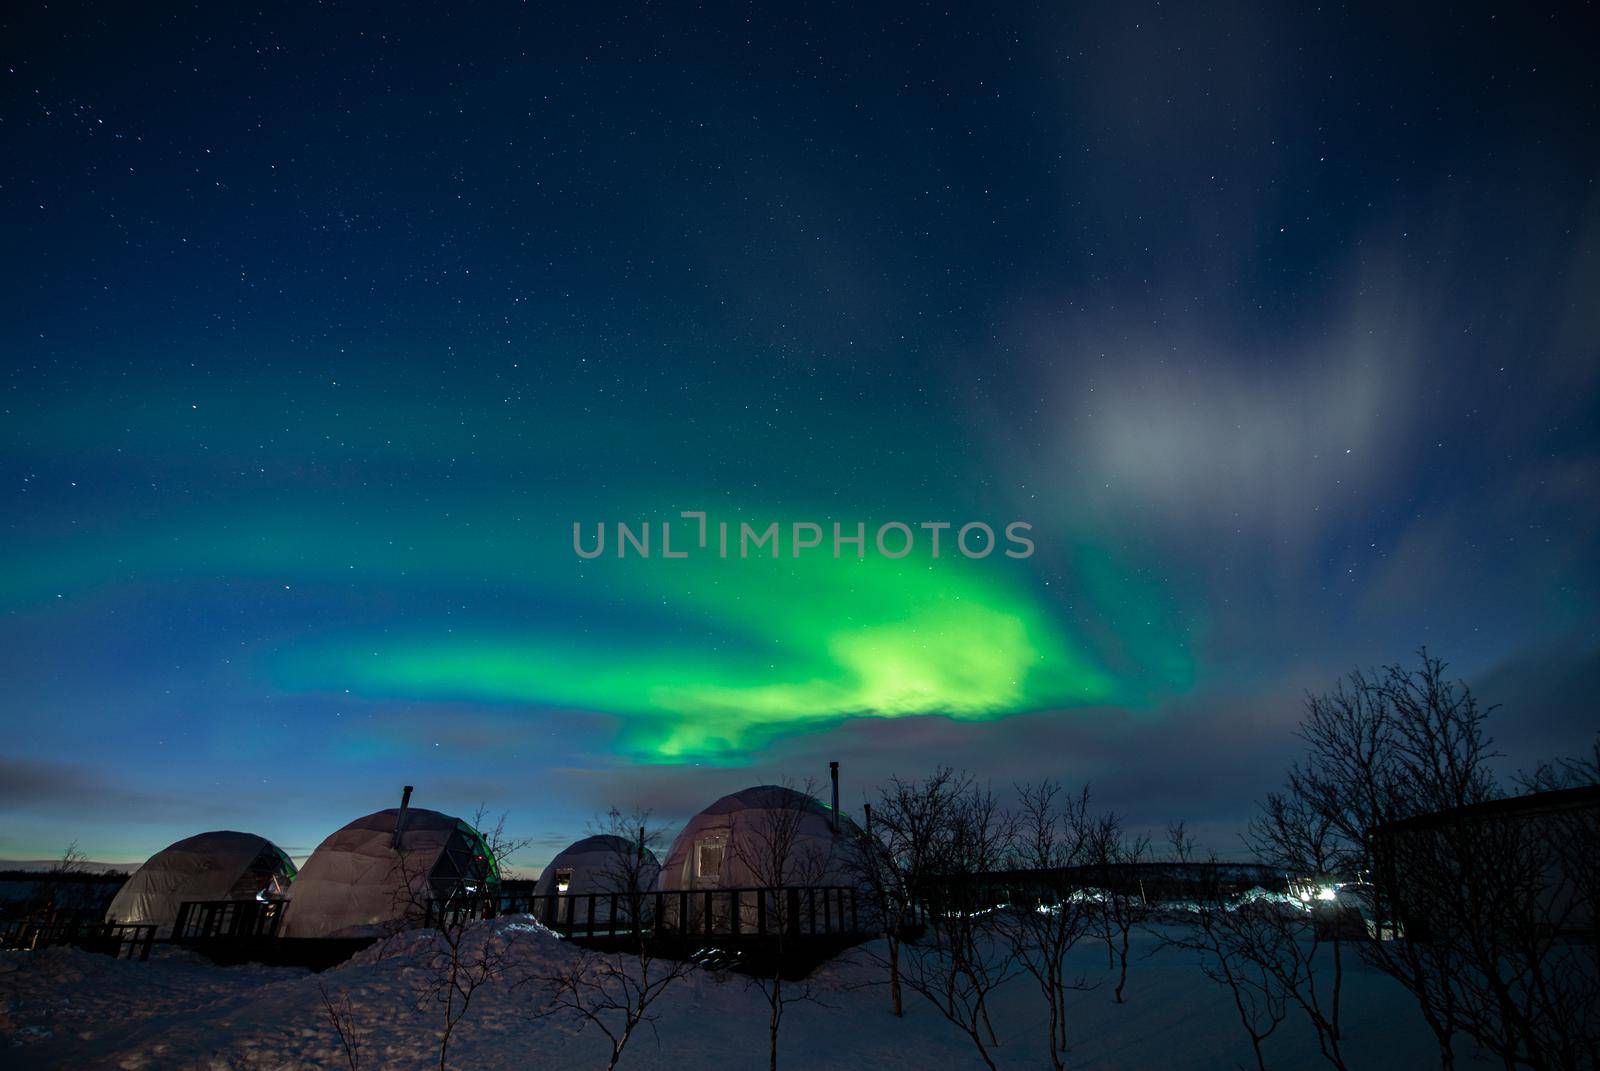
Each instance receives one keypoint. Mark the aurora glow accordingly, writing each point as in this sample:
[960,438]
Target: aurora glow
[319,334]
[790,645]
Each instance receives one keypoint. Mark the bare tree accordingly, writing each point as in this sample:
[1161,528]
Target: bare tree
[1582,771]
[1366,763]
[500,845]
[1306,953]
[48,902]
[612,993]
[878,875]
[627,875]
[461,960]
[615,992]
[774,849]
[962,956]
[1237,943]
[1122,904]
[1473,912]
[1181,847]
[340,1015]
[1049,911]
[73,861]
[895,857]
[457,958]
[1531,993]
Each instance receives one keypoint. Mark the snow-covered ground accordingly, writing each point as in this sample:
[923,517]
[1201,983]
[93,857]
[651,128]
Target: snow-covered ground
[68,1009]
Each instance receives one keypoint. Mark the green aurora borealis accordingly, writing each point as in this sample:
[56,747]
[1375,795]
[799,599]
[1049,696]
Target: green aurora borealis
[777,647]
[701,660]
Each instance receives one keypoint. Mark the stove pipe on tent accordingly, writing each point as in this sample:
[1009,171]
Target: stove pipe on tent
[833,772]
[400,819]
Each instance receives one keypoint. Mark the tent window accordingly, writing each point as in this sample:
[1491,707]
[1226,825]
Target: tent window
[563,879]
[709,864]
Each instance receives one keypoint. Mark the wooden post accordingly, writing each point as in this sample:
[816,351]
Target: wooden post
[761,913]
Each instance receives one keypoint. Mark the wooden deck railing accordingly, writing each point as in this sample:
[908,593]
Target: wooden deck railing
[115,939]
[201,920]
[722,914]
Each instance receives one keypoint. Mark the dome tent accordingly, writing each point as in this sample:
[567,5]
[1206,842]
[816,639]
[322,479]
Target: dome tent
[221,865]
[617,872]
[601,864]
[359,882]
[715,849]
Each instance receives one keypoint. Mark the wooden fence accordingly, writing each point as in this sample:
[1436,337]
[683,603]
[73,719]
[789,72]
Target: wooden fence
[716,915]
[116,939]
[202,920]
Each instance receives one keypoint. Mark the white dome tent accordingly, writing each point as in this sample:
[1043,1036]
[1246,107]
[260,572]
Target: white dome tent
[613,871]
[602,864]
[715,849]
[220,865]
[728,846]
[377,873]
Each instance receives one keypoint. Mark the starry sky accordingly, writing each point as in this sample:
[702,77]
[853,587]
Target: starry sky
[322,326]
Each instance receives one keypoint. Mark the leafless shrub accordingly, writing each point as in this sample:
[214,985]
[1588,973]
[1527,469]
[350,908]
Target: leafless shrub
[500,844]
[1306,952]
[73,861]
[962,957]
[1048,910]
[459,957]
[1472,913]
[629,875]
[772,847]
[1181,847]
[1122,907]
[1239,946]
[48,901]
[615,992]
[342,1019]
[895,858]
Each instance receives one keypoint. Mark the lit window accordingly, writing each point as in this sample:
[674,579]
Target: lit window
[709,864]
[563,879]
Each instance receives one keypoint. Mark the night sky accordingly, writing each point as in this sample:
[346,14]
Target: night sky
[321,327]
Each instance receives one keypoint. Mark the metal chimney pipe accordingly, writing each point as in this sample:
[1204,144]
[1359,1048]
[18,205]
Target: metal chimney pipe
[833,772]
[400,819]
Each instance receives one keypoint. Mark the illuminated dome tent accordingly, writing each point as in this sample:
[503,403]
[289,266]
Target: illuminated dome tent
[221,865]
[377,873]
[601,864]
[713,850]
